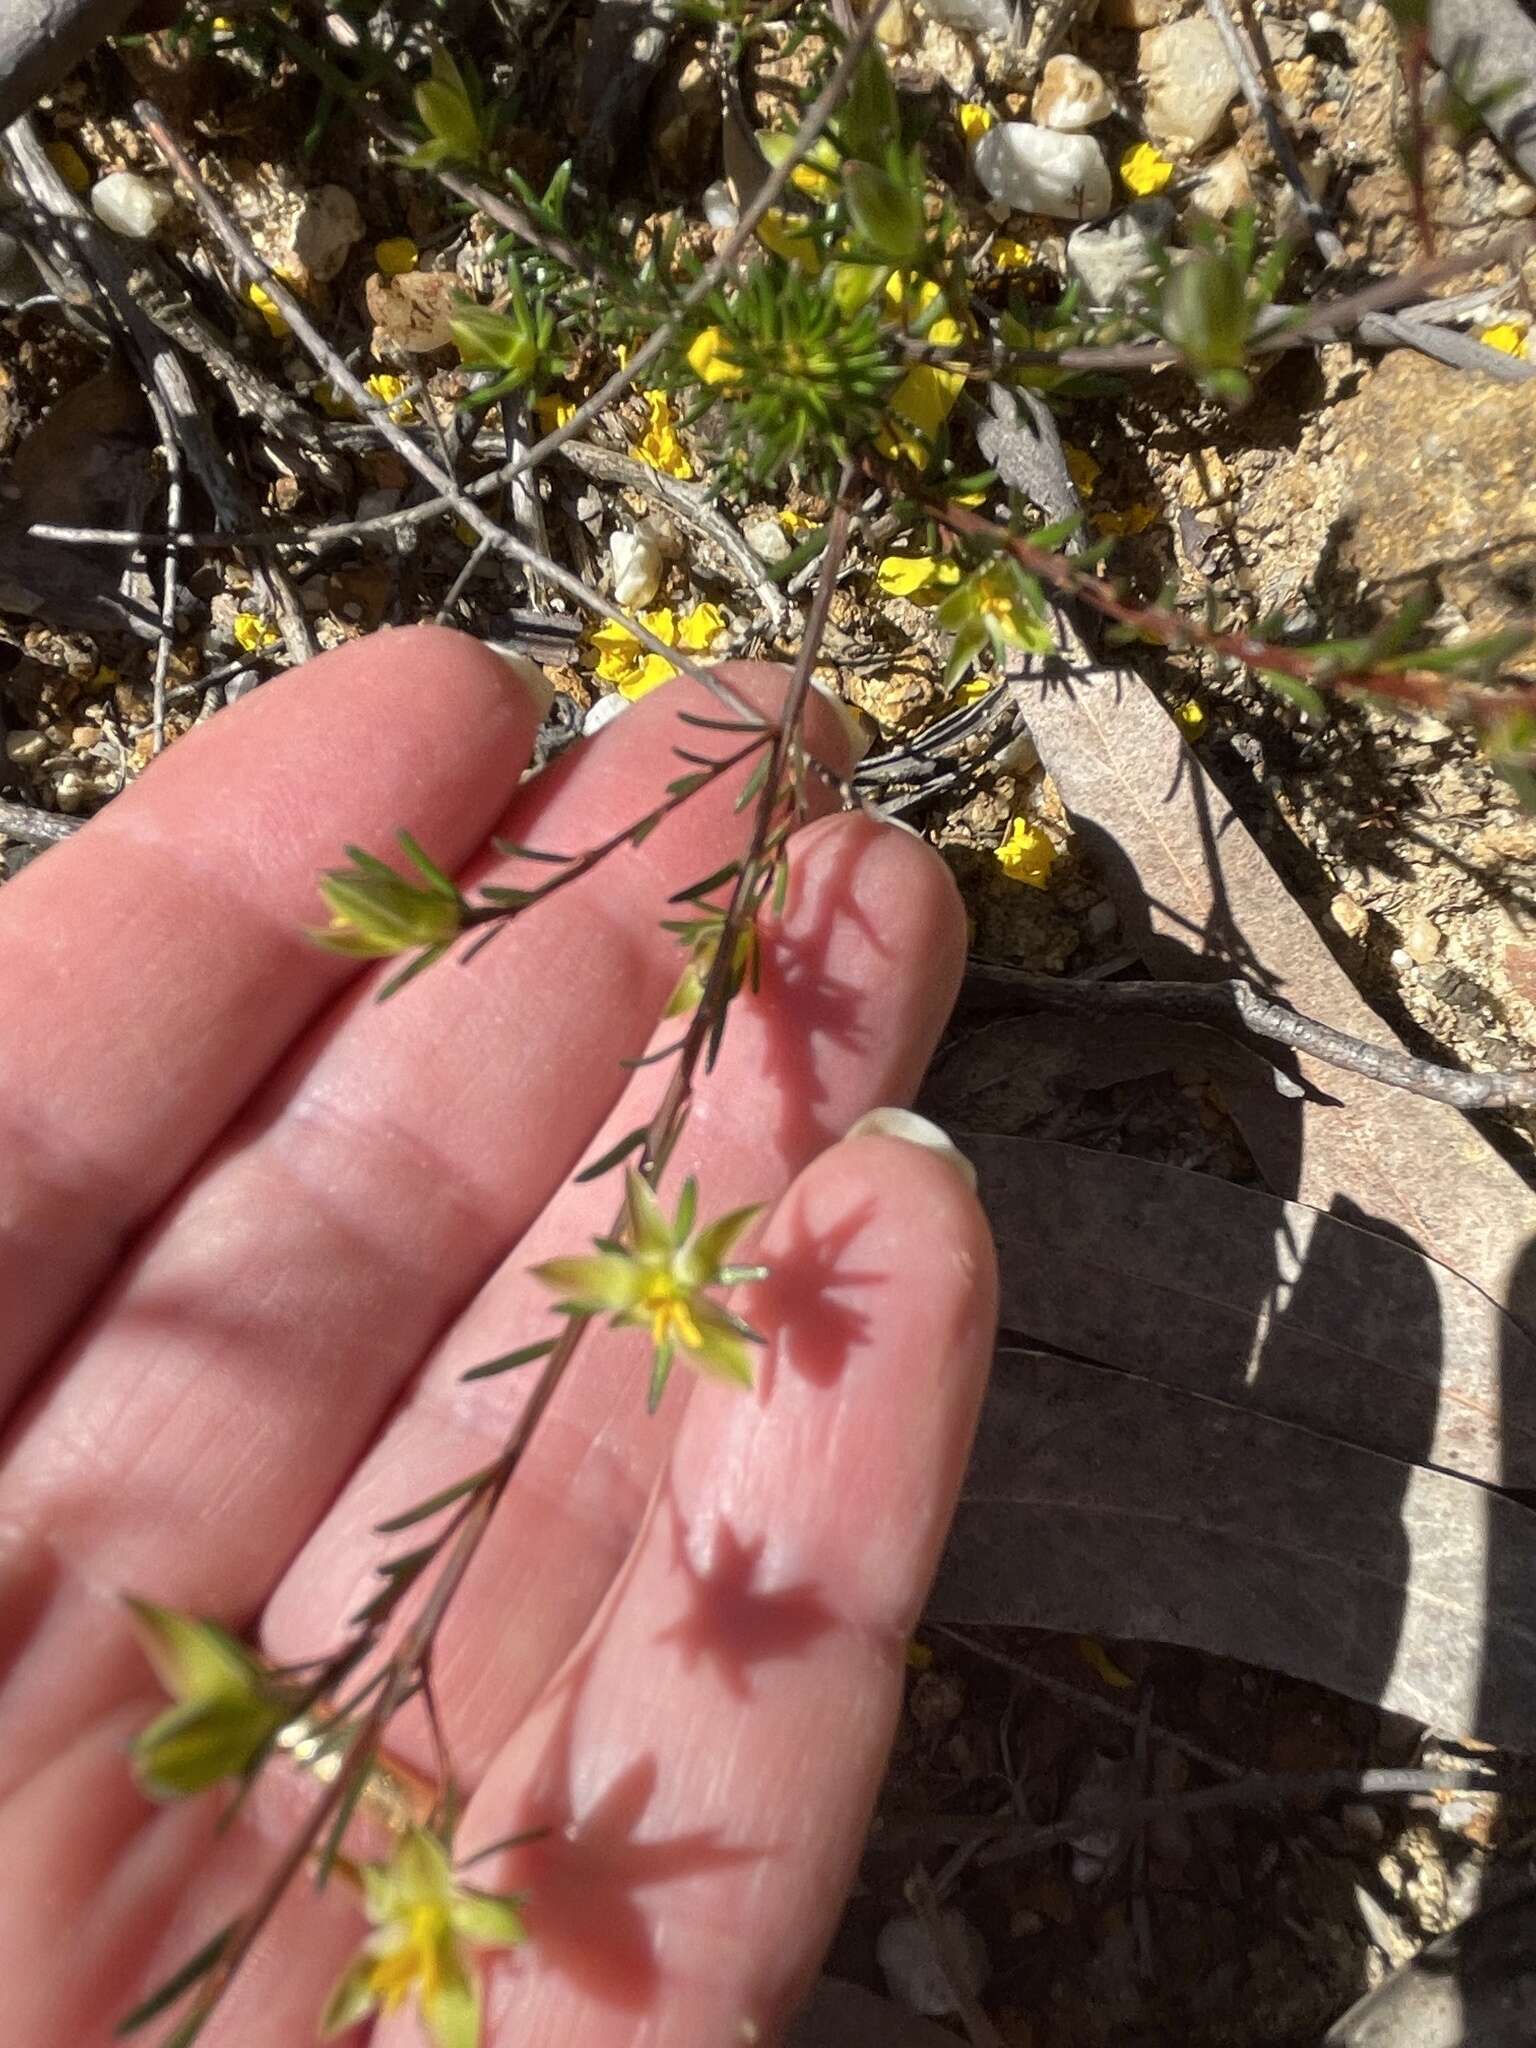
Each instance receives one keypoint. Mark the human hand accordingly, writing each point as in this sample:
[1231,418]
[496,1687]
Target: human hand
[254,1227]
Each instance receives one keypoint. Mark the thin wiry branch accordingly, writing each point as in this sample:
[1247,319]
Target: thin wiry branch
[1229,1006]
[252,270]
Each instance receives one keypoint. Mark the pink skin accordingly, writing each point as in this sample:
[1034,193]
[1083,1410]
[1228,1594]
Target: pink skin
[254,1227]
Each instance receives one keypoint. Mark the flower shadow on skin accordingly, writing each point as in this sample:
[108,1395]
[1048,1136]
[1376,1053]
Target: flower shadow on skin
[804,1002]
[798,1307]
[729,1621]
[584,1880]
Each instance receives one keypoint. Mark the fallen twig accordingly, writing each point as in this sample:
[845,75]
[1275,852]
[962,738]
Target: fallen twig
[1233,1005]
[33,827]
[1250,65]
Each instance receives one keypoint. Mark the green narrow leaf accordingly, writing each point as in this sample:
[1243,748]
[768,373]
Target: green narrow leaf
[695,890]
[660,1372]
[510,1361]
[423,1509]
[685,785]
[514,851]
[428,868]
[409,972]
[180,1980]
[754,784]
[610,1159]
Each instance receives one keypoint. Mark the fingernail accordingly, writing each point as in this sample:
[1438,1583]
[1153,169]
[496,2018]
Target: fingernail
[913,1129]
[603,712]
[533,679]
[857,731]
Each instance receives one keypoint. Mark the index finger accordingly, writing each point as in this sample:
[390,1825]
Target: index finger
[164,948]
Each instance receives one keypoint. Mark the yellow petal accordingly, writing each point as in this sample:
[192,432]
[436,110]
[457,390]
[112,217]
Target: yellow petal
[652,671]
[784,236]
[975,120]
[1009,254]
[701,628]
[396,255]
[553,411]
[1505,337]
[1027,854]
[1098,1659]
[267,307]
[1191,717]
[707,358]
[1144,170]
[1082,468]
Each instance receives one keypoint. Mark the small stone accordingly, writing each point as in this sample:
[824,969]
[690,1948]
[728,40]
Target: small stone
[70,791]
[637,568]
[893,28]
[719,203]
[1352,918]
[327,229]
[1020,755]
[767,539]
[1103,919]
[1040,170]
[1137,14]
[1421,939]
[130,205]
[912,1970]
[413,313]
[988,18]
[1223,188]
[26,749]
[1517,201]
[1189,81]
[1071,95]
[1109,261]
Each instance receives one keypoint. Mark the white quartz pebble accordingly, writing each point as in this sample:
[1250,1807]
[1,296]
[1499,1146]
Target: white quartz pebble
[1040,170]
[130,205]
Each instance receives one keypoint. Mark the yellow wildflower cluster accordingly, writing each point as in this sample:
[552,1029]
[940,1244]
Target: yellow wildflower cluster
[391,392]
[659,445]
[253,632]
[708,358]
[1144,170]
[632,668]
[1026,854]
[926,395]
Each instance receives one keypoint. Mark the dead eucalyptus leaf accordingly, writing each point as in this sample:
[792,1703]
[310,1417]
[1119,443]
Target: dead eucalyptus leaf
[1196,892]
[1098,1503]
[1277,1308]
[840,2015]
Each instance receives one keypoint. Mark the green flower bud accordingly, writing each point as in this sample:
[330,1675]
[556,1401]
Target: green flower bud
[376,912]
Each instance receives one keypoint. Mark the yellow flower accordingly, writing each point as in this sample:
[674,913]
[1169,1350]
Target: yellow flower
[1026,855]
[786,235]
[975,120]
[659,445]
[1505,337]
[1191,718]
[553,411]
[633,669]
[1144,170]
[424,1922]
[1082,468]
[391,392]
[267,307]
[707,358]
[69,164]
[656,1280]
[1134,519]
[974,688]
[920,577]
[701,628]
[253,632]
[1008,254]
[926,395]
[796,522]
[396,254]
